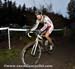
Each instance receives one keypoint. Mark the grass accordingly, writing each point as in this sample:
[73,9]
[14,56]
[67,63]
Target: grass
[8,55]
[13,55]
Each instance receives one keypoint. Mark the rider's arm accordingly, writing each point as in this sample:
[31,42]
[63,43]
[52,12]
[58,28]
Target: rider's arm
[36,25]
[44,27]
[47,22]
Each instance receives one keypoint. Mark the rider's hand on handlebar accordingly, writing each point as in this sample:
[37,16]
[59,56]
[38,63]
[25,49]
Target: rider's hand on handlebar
[39,32]
[29,32]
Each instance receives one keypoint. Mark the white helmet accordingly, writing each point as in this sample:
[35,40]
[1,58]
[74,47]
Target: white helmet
[38,12]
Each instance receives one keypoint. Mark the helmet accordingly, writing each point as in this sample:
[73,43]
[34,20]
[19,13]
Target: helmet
[38,12]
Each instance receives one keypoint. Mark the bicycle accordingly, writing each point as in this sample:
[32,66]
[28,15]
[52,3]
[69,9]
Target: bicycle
[31,53]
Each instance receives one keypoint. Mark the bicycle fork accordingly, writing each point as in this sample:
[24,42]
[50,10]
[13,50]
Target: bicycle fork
[33,51]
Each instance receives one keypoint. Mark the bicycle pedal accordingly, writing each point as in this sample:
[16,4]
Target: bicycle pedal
[51,47]
[42,48]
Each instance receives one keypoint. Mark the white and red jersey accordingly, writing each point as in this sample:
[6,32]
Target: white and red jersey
[47,23]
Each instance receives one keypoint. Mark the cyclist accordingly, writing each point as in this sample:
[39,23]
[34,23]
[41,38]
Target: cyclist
[47,28]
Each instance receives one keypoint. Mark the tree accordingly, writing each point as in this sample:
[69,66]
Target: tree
[71,9]
[34,9]
[23,7]
[19,8]
[5,4]
[0,3]
[9,4]
[14,5]
[44,10]
[49,6]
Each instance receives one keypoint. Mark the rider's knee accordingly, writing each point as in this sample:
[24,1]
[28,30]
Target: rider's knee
[46,36]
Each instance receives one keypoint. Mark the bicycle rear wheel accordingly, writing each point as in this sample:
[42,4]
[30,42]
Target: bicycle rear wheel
[47,46]
[27,57]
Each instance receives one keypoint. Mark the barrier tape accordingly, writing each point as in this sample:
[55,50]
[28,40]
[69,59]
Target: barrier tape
[13,29]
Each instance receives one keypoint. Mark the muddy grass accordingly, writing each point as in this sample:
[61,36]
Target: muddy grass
[12,56]
[63,58]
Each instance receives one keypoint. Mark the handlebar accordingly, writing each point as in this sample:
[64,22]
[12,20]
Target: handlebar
[29,34]
[36,32]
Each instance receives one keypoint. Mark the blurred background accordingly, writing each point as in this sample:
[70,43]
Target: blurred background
[21,14]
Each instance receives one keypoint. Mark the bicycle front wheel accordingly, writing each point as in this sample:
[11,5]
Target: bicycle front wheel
[27,57]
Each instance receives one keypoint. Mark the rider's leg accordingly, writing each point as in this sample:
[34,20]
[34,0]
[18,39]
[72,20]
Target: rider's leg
[43,33]
[49,38]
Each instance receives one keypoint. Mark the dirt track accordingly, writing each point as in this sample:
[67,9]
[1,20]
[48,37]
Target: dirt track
[63,58]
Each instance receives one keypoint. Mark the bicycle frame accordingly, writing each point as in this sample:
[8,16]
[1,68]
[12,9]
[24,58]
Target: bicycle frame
[35,44]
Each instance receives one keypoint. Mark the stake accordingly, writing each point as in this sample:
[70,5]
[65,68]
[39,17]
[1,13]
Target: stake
[9,39]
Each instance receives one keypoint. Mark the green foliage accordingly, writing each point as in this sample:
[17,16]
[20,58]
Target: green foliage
[8,55]
[71,9]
